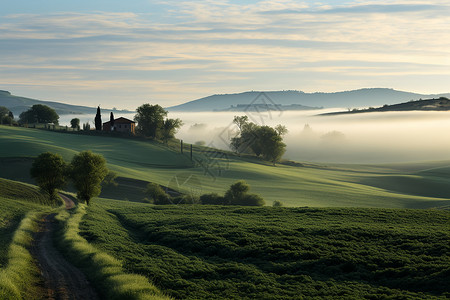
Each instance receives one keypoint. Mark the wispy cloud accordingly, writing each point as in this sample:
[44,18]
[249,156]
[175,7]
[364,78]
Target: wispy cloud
[218,46]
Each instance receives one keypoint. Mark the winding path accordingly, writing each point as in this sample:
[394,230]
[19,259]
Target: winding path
[62,279]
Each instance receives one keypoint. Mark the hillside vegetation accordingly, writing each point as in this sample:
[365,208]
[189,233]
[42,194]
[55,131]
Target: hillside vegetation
[16,199]
[441,104]
[200,252]
[138,162]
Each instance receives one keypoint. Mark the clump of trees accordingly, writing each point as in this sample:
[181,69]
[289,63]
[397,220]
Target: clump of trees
[87,171]
[262,141]
[39,113]
[237,194]
[152,122]
[6,116]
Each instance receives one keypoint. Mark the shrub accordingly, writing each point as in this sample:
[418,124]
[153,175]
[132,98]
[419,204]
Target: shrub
[157,194]
[251,200]
[212,199]
[277,203]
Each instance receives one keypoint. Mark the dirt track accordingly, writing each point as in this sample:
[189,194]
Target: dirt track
[62,280]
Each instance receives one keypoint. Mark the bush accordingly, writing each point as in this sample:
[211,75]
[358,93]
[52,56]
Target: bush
[251,200]
[157,194]
[277,203]
[212,199]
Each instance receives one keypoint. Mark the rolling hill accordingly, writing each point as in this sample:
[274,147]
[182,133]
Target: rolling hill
[356,98]
[18,104]
[138,162]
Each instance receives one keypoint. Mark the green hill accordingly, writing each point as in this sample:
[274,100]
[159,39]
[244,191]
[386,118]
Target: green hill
[18,104]
[440,104]
[138,162]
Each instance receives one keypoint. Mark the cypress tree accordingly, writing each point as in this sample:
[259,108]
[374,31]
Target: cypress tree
[111,121]
[98,120]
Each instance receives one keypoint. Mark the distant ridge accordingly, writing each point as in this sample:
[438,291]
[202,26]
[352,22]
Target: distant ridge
[347,99]
[440,104]
[18,104]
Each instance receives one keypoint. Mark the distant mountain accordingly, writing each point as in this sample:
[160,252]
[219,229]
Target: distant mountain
[18,104]
[440,104]
[350,99]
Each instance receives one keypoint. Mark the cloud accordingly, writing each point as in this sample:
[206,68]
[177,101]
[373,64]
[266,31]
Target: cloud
[222,46]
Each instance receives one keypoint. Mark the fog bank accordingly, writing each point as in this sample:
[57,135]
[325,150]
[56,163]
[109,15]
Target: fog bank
[378,137]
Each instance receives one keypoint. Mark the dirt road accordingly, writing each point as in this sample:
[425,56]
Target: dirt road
[62,279]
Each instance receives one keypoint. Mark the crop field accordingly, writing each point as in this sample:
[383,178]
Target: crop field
[418,185]
[16,200]
[206,252]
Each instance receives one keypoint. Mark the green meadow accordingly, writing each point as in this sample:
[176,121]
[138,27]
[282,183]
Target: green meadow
[205,252]
[348,231]
[415,185]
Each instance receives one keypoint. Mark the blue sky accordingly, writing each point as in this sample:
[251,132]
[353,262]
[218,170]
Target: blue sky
[125,53]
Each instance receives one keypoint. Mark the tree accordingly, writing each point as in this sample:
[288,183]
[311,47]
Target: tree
[169,128]
[75,123]
[87,172]
[111,121]
[150,119]
[98,120]
[39,113]
[86,126]
[49,171]
[281,130]
[6,116]
[240,121]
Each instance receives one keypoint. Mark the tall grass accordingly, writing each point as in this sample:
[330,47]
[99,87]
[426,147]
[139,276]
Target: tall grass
[105,272]
[20,278]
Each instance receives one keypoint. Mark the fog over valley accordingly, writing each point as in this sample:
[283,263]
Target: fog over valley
[355,138]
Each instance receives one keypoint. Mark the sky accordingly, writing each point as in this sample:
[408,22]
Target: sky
[126,53]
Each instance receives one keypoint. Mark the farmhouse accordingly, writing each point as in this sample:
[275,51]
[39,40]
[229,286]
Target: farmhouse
[121,125]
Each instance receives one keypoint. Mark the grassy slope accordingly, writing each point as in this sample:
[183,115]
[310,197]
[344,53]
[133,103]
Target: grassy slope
[198,252]
[362,186]
[16,200]
[19,213]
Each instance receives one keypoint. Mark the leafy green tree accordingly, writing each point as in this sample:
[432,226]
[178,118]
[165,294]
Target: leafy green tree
[3,114]
[50,173]
[150,120]
[87,172]
[98,119]
[11,115]
[39,113]
[281,130]
[75,123]
[169,128]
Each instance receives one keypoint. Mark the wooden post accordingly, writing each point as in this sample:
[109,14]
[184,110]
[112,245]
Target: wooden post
[181,146]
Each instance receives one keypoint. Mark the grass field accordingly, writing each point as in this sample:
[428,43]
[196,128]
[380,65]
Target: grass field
[205,252]
[16,200]
[419,185]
